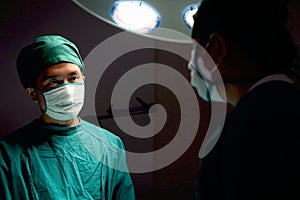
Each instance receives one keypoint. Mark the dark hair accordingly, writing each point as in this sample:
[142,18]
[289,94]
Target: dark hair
[258,28]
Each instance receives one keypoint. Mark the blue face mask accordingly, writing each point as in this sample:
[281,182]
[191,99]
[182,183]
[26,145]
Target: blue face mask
[202,80]
[63,102]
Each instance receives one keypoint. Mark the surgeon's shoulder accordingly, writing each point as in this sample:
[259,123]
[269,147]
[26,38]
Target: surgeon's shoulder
[15,141]
[102,134]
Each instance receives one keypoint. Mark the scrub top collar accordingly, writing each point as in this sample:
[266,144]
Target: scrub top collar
[58,130]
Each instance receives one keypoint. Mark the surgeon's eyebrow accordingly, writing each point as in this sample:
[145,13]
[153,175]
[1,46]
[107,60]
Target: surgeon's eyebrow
[47,77]
[74,73]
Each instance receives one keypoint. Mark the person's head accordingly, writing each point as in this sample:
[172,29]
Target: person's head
[50,69]
[246,39]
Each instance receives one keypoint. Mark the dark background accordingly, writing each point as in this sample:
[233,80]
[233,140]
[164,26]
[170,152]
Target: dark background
[22,21]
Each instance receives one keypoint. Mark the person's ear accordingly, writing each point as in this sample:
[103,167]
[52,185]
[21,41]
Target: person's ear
[217,48]
[32,94]
[83,77]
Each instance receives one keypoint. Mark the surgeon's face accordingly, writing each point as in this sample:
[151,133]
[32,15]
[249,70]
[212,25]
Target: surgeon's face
[59,74]
[202,62]
[56,75]
[205,77]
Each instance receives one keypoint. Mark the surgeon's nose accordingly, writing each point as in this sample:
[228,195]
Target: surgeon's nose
[65,80]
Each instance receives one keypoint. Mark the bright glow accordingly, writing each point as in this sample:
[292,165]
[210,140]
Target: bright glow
[137,16]
[187,15]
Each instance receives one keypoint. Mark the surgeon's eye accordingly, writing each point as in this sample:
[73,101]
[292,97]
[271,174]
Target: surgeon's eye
[52,83]
[74,78]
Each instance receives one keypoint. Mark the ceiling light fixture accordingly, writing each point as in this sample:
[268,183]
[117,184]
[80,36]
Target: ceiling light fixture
[169,20]
[137,16]
[187,15]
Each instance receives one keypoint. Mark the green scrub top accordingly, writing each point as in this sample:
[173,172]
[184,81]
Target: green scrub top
[41,161]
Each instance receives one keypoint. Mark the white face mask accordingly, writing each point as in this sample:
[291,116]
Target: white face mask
[201,78]
[63,102]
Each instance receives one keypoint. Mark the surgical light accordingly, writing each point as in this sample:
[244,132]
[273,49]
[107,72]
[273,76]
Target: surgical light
[169,20]
[187,15]
[137,16]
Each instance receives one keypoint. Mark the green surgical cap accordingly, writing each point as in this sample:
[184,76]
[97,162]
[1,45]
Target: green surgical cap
[42,53]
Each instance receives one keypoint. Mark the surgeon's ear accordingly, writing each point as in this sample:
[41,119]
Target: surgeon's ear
[32,94]
[217,48]
[83,77]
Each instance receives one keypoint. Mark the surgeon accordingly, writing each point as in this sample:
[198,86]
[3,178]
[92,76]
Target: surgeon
[60,156]
[255,69]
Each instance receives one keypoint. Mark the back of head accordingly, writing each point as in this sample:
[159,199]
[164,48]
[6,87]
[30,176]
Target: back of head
[258,28]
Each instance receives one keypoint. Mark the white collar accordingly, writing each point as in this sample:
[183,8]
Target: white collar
[273,77]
